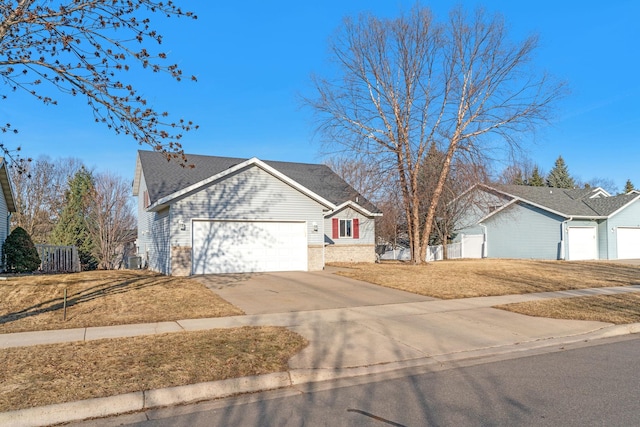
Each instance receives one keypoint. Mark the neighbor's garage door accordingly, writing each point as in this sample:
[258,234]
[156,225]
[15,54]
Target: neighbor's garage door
[248,246]
[628,242]
[582,243]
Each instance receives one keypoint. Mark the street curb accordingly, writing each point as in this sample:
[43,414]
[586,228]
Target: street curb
[143,400]
[139,401]
[74,411]
[214,389]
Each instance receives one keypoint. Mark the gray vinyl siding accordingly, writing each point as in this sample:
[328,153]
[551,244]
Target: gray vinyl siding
[476,206]
[367,228]
[153,235]
[628,217]
[4,225]
[145,220]
[160,253]
[523,231]
[249,194]
[603,240]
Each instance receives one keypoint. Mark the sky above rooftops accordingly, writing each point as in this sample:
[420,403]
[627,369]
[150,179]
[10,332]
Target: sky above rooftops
[254,59]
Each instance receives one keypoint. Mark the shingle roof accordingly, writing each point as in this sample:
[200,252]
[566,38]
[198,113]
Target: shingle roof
[164,178]
[569,202]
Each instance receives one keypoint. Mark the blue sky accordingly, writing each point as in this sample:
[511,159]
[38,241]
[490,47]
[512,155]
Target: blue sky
[253,59]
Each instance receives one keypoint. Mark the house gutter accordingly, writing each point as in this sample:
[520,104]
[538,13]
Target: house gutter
[563,236]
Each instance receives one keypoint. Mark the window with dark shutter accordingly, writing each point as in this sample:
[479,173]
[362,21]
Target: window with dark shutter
[334,223]
[356,228]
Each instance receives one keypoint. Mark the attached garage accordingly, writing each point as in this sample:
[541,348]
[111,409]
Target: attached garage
[583,243]
[628,239]
[248,246]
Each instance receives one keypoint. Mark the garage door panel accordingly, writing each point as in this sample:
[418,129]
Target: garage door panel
[583,243]
[248,246]
[628,242]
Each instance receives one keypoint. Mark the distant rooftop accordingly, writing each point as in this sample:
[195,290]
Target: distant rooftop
[570,202]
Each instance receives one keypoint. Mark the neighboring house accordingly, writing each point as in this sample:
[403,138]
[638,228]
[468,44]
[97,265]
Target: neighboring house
[229,215]
[7,206]
[519,221]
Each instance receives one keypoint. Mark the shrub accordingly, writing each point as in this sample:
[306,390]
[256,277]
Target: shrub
[20,253]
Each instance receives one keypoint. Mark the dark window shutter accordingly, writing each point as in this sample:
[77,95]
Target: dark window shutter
[335,227]
[356,228]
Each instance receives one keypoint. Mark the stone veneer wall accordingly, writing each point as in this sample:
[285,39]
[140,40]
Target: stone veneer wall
[181,260]
[316,260]
[350,253]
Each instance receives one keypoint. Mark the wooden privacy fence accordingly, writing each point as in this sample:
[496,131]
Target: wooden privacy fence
[58,259]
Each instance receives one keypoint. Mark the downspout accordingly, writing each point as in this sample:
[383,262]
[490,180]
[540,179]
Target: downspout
[563,237]
[484,242]
[324,246]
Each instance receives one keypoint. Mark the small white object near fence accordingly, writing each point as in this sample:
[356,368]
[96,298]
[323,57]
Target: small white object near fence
[403,254]
[58,259]
[470,246]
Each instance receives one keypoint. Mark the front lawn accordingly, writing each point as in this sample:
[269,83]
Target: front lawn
[486,277]
[104,298]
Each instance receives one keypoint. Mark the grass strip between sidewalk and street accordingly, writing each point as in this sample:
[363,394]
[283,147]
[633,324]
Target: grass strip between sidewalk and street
[617,309]
[469,278]
[57,373]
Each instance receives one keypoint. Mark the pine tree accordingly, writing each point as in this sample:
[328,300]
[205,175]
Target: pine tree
[21,255]
[71,228]
[628,187]
[536,180]
[559,176]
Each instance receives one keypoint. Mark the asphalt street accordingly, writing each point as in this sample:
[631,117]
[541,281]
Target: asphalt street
[582,384]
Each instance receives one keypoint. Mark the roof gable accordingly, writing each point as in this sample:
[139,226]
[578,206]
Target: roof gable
[167,180]
[568,203]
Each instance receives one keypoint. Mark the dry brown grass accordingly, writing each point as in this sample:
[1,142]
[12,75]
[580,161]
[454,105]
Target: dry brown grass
[104,298]
[486,277]
[617,309]
[42,375]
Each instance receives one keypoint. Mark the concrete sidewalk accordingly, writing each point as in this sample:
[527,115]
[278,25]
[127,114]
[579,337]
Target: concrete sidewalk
[343,342]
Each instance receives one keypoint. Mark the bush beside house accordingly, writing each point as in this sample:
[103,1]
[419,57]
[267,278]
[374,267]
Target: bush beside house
[20,253]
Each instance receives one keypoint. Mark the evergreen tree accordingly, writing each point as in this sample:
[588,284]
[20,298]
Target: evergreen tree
[518,180]
[536,180]
[628,187]
[559,176]
[72,228]
[20,253]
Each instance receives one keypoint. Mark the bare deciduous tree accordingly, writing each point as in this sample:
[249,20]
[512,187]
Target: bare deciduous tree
[39,189]
[87,47]
[371,180]
[111,221]
[451,207]
[408,84]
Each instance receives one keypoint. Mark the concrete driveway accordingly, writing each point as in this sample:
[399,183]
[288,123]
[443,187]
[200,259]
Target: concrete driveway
[260,293]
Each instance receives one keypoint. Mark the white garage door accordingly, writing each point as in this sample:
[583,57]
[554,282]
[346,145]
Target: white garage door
[248,246]
[628,242]
[582,243]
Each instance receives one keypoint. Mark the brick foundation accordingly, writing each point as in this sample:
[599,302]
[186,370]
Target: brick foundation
[350,253]
[316,259]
